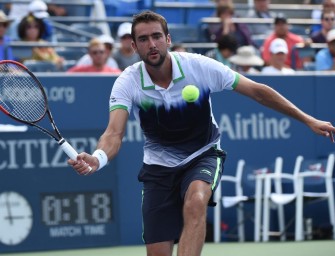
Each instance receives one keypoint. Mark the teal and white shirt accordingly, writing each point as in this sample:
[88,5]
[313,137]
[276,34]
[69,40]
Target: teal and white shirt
[175,131]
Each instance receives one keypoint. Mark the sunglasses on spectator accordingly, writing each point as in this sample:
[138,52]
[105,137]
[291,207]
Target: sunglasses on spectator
[95,52]
[329,19]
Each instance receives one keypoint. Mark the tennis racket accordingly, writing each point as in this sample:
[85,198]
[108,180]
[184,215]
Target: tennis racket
[23,98]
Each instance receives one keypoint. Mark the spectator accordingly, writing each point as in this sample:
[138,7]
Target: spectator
[227,46]
[316,14]
[31,29]
[5,50]
[178,48]
[327,24]
[246,60]
[125,56]
[281,30]
[38,9]
[109,46]
[227,26]
[99,55]
[324,59]
[278,50]
[261,10]
[223,2]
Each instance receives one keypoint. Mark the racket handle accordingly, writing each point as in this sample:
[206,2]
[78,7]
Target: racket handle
[68,149]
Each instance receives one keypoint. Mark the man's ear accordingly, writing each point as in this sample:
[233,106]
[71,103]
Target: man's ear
[133,45]
[168,40]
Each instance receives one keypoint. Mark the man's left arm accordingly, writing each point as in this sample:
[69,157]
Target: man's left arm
[269,97]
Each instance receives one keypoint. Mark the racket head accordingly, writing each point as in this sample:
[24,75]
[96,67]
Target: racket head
[22,96]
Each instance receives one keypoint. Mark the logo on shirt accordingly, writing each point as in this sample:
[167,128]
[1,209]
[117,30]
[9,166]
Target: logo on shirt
[112,100]
[206,172]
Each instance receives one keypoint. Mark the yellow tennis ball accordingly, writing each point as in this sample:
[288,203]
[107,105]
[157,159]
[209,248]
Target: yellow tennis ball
[190,93]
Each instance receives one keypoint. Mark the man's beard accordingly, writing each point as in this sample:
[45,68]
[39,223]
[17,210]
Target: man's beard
[156,64]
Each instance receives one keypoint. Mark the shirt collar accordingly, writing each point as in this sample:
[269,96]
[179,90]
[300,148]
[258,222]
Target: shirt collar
[177,73]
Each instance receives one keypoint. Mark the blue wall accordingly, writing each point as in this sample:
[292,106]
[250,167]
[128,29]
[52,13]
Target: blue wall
[80,108]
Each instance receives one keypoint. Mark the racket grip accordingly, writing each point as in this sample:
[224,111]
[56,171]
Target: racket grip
[68,149]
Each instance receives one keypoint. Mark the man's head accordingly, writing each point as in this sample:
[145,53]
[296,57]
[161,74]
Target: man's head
[281,26]
[262,5]
[327,20]
[108,41]
[331,41]
[124,35]
[4,23]
[97,52]
[147,17]
[151,38]
[279,51]
[227,45]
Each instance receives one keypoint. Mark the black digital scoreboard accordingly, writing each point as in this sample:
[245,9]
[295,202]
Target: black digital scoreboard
[45,204]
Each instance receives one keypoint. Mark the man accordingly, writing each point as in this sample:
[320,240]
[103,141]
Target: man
[281,30]
[226,47]
[261,11]
[108,41]
[5,50]
[327,24]
[324,59]
[125,56]
[183,159]
[278,49]
[98,53]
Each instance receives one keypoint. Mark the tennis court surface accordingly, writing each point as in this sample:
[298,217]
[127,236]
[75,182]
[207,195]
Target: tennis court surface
[312,248]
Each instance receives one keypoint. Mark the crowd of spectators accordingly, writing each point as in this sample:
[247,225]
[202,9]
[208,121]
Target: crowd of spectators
[30,22]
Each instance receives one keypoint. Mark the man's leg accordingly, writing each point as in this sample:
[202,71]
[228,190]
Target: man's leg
[160,249]
[194,213]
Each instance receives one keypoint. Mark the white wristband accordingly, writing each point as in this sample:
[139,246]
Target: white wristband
[102,158]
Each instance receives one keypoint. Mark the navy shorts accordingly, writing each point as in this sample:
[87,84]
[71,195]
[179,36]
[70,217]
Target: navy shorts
[164,189]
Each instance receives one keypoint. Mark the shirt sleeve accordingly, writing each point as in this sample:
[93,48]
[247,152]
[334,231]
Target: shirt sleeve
[122,94]
[218,76]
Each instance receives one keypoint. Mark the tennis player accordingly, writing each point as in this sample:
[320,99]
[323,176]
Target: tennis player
[183,160]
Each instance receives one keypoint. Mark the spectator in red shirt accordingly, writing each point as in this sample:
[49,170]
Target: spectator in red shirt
[281,30]
[99,55]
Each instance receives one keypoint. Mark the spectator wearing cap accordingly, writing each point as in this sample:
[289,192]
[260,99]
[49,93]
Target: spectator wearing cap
[278,50]
[281,30]
[125,55]
[246,59]
[99,55]
[108,41]
[325,58]
[5,51]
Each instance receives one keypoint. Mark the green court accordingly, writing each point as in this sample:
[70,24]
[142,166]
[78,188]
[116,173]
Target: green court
[313,248]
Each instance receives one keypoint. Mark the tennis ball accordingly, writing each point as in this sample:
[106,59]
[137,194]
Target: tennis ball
[190,93]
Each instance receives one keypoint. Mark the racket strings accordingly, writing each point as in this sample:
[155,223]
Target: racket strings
[20,94]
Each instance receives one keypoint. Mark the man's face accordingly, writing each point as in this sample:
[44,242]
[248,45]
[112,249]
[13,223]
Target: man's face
[328,21]
[278,59]
[98,55]
[3,28]
[262,5]
[151,43]
[281,29]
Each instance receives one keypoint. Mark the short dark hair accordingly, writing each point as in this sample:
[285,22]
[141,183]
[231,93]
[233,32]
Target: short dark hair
[227,42]
[146,17]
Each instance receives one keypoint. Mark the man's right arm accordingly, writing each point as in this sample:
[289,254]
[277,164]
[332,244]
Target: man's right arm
[109,142]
